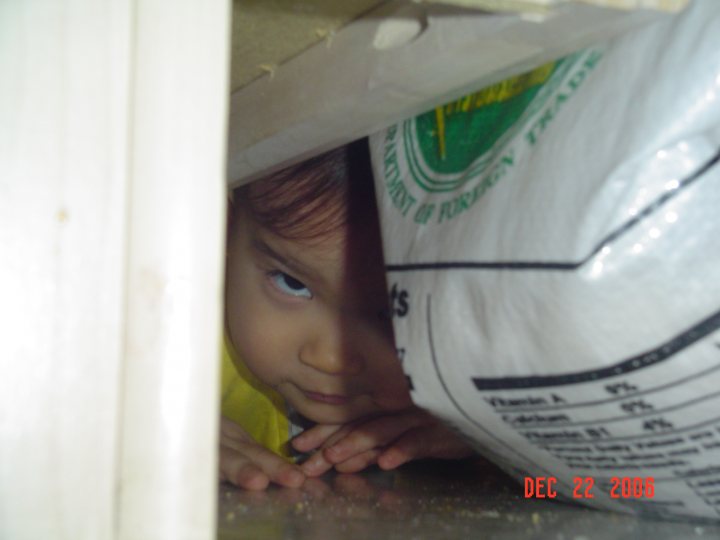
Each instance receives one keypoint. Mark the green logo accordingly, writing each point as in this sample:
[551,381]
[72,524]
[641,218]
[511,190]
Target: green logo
[464,147]
[451,144]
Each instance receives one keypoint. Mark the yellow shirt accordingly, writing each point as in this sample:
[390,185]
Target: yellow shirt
[255,406]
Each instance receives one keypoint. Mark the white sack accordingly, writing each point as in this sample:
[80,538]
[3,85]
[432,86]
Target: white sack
[557,297]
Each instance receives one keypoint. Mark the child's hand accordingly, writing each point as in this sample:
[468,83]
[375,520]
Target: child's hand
[247,464]
[389,440]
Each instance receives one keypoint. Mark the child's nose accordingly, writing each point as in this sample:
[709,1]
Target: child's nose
[331,355]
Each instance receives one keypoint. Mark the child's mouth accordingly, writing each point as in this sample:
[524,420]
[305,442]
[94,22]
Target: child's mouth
[329,399]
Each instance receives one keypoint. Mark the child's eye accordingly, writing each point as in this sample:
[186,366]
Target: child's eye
[289,285]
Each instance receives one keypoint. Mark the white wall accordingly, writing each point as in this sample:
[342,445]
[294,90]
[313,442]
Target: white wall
[112,135]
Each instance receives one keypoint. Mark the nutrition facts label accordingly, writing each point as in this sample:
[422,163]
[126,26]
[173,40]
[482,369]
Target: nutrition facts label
[653,416]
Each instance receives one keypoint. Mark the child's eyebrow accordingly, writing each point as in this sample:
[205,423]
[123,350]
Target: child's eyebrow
[293,264]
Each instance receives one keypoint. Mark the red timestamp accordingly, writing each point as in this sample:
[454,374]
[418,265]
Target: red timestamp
[620,487]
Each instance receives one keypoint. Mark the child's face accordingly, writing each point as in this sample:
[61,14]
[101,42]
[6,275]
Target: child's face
[307,319]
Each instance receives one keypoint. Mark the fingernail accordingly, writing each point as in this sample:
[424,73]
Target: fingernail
[316,467]
[312,464]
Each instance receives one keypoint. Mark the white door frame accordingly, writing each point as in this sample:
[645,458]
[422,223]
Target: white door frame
[112,201]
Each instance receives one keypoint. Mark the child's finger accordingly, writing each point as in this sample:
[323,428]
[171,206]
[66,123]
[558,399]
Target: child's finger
[423,442]
[314,437]
[280,471]
[249,465]
[358,462]
[339,434]
[375,433]
[248,476]
[238,470]
[273,466]
[288,475]
[404,450]
[316,465]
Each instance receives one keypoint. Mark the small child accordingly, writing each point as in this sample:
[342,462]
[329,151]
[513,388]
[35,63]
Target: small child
[308,332]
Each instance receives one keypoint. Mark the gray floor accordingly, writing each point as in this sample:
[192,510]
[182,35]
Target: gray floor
[431,500]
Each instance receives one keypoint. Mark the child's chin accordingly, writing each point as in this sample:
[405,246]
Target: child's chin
[328,414]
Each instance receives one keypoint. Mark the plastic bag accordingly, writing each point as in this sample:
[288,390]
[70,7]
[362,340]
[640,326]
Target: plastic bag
[553,251]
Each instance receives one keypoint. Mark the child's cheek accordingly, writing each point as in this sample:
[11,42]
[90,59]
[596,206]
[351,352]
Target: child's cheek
[395,393]
[265,347]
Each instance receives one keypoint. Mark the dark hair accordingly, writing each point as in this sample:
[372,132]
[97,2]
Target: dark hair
[319,195]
